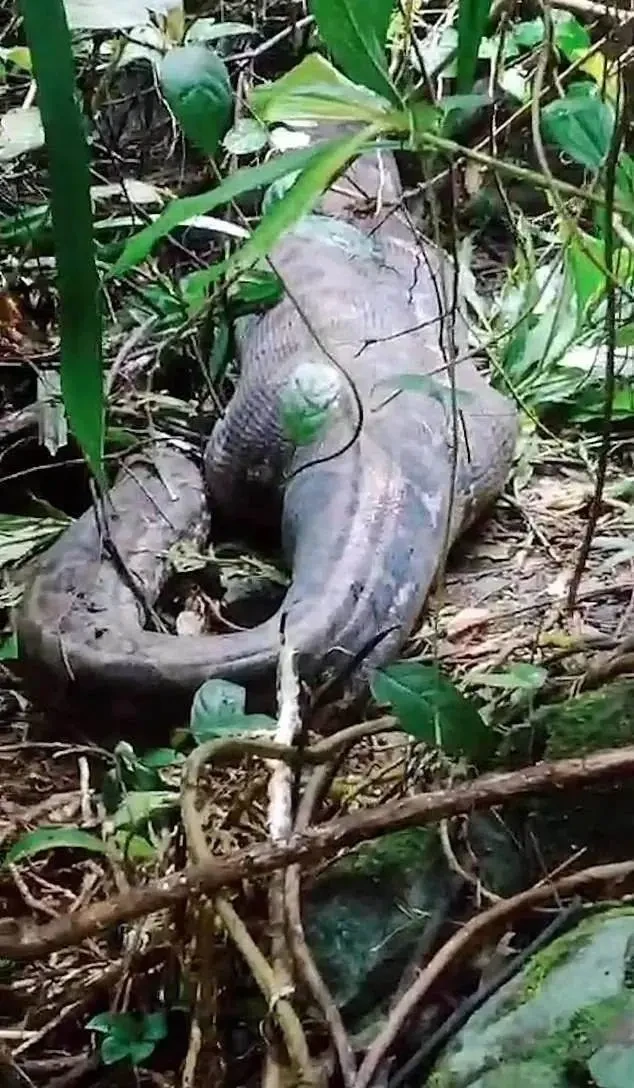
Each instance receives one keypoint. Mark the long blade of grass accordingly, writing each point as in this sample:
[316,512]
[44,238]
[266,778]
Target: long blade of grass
[355,32]
[244,180]
[49,41]
[472,20]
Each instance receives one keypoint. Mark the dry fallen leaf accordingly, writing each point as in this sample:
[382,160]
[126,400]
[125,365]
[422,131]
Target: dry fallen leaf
[467,619]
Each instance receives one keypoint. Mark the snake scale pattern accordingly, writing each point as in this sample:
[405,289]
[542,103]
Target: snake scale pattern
[363,530]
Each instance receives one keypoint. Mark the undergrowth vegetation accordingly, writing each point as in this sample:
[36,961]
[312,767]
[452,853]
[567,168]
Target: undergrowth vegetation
[514,137]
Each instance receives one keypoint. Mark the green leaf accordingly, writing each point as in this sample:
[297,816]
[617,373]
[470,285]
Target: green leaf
[571,37]
[246,137]
[520,677]
[307,401]
[473,16]
[53,838]
[218,699]
[9,649]
[529,34]
[154,1025]
[355,32]
[612,1066]
[159,758]
[135,848]
[142,1050]
[330,161]
[582,127]
[103,1022]
[244,180]
[315,90]
[254,290]
[218,709]
[115,1049]
[430,708]
[588,280]
[625,336]
[50,45]
[196,84]
[140,806]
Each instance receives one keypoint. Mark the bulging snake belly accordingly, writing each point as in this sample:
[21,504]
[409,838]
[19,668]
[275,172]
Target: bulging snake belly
[365,514]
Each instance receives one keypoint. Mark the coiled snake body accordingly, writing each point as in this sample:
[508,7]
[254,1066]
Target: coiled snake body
[363,531]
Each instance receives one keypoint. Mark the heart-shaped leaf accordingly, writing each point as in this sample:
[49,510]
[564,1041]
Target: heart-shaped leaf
[196,84]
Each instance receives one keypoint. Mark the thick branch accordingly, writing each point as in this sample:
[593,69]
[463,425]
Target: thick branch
[29,942]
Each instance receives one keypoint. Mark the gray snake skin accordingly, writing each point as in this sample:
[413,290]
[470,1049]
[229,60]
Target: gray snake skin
[363,531]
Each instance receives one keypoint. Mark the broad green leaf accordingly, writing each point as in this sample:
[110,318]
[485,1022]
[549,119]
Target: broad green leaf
[308,399]
[154,1025]
[431,709]
[217,699]
[473,16]
[140,806]
[135,848]
[218,709]
[115,1048]
[588,279]
[104,1023]
[355,32]
[315,90]
[49,41]
[625,336]
[246,137]
[300,199]
[53,838]
[257,288]
[245,180]
[9,649]
[159,758]
[519,677]
[18,55]
[571,37]
[141,1050]
[196,84]
[613,1066]
[529,34]
[581,127]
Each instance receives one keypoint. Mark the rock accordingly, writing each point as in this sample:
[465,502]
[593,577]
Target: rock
[367,915]
[565,1021]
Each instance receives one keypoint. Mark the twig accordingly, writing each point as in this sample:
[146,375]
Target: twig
[263,973]
[24,941]
[280,823]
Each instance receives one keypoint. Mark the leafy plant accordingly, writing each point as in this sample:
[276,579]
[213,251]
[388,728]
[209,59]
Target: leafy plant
[219,709]
[52,838]
[128,1036]
[472,21]
[355,33]
[51,54]
[431,709]
[196,83]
